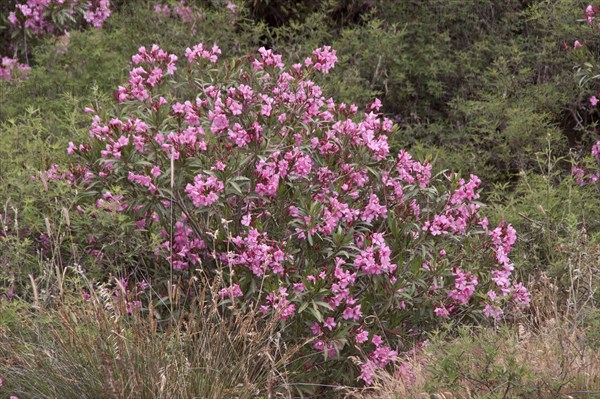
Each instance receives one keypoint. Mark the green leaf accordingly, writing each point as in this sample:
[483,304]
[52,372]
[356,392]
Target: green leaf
[315,312]
[302,307]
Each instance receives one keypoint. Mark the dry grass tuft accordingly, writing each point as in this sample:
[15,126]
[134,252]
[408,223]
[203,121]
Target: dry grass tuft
[94,349]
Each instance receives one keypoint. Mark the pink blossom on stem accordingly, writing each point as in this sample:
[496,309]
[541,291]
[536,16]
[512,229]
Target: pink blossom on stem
[204,191]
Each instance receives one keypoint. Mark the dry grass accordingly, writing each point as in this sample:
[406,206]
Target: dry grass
[94,349]
[550,363]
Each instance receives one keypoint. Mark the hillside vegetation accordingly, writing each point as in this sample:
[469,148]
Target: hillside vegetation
[273,198]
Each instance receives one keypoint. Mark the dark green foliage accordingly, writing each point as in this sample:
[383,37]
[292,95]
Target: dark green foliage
[480,82]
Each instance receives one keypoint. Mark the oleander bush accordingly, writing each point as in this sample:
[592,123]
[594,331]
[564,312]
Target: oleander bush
[245,172]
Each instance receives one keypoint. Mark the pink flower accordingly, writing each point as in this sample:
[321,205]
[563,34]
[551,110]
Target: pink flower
[288,311]
[239,135]
[12,18]
[319,345]
[520,295]
[362,337]
[352,313]
[367,371]
[199,51]
[162,9]
[579,175]
[267,58]
[97,12]
[589,14]
[303,166]
[493,311]
[246,219]
[10,68]
[577,44]
[377,340]
[219,123]
[155,171]
[441,312]
[315,329]
[329,323]
[232,292]
[593,101]
[464,286]
[71,148]
[299,287]
[383,355]
[376,258]
[596,150]
[231,7]
[376,105]
[258,253]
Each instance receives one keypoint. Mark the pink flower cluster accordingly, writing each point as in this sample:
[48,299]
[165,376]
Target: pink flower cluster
[324,59]
[503,239]
[143,80]
[590,17]
[37,18]
[268,58]
[184,11]
[163,9]
[231,292]
[459,211]
[34,15]
[143,180]
[11,68]
[97,12]
[375,258]
[131,295]
[379,358]
[596,151]
[112,203]
[257,252]
[186,249]
[583,177]
[269,173]
[411,171]
[278,301]
[590,14]
[200,52]
[464,286]
[204,191]
[31,15]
